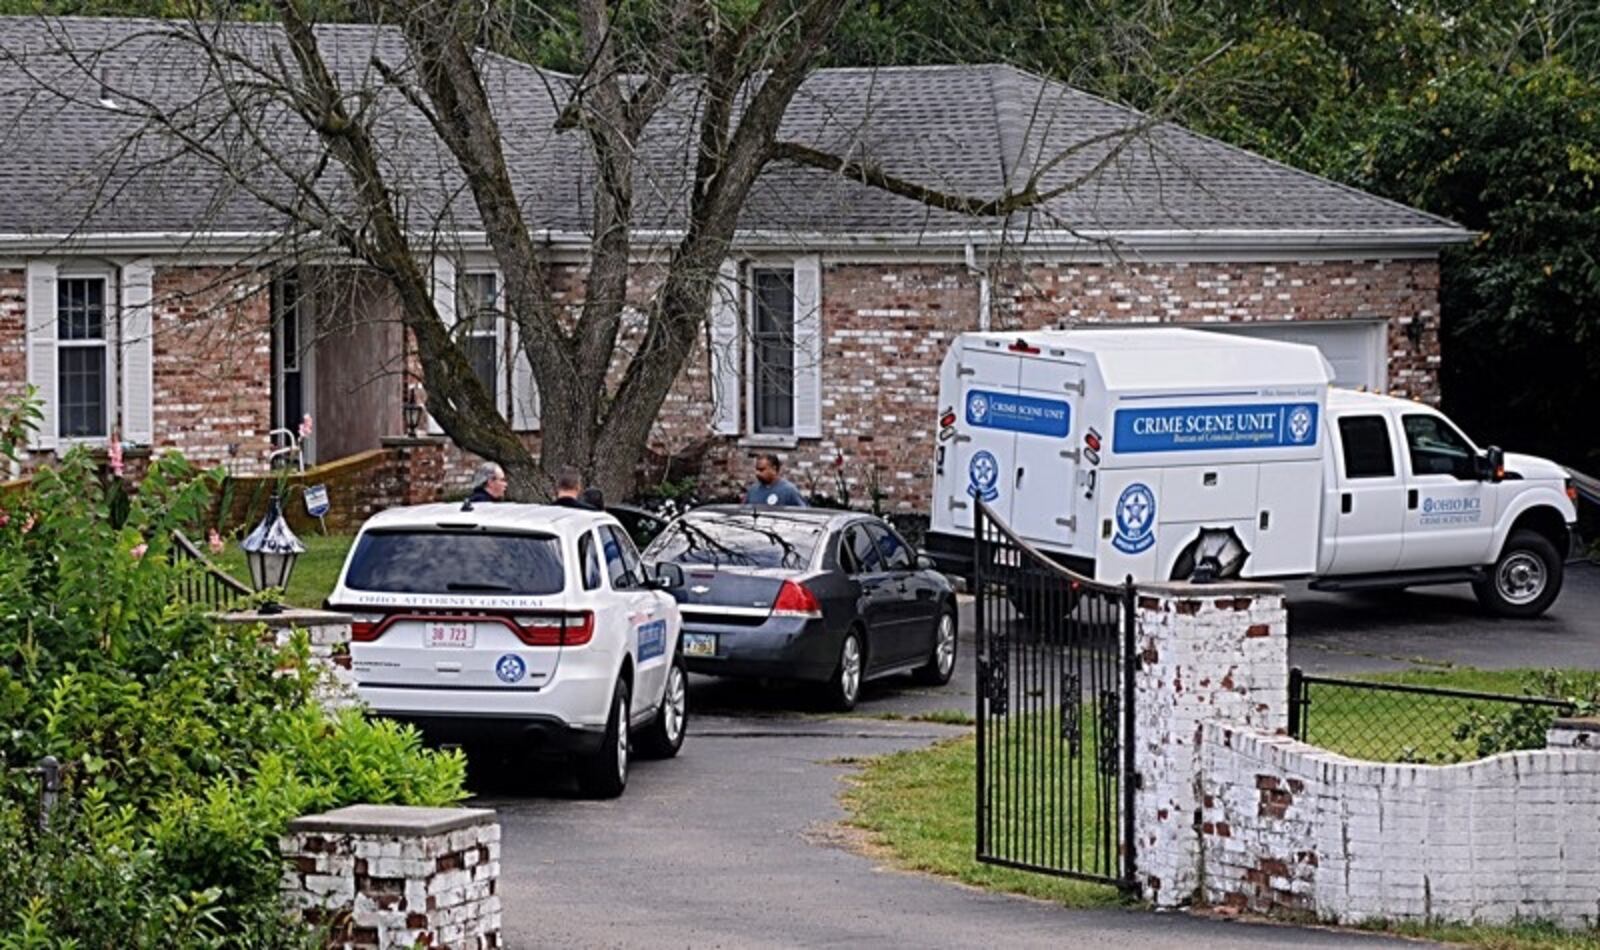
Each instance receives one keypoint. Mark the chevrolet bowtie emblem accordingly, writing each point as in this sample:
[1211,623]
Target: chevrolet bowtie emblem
[699,589]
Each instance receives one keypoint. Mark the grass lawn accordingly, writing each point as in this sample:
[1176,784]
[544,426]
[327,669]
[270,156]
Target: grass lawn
[314,573]
[919,807]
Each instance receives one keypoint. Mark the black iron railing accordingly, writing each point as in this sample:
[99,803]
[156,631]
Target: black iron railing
[1402,722]
[206,584]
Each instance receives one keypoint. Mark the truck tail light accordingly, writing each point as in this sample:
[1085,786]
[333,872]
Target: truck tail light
[561,630]
[1021,346]
[1572,491]
[796,600]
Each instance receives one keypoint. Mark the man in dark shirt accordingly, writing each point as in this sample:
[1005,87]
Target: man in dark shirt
[569,490]
[488,484]
[770,487]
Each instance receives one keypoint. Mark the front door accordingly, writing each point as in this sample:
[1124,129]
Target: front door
[293,366]
[1368,498]
[1450,516]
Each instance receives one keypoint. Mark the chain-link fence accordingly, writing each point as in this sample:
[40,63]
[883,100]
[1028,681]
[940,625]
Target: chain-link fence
[1396,722]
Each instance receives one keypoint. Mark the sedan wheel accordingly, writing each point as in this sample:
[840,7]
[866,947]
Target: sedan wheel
[942,661]
[845,686]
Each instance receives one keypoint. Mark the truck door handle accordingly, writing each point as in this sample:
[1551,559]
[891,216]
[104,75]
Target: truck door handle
[1019,476]
[1411,498]
[1346,503]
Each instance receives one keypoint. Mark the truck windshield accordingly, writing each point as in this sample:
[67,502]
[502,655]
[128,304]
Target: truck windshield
[456,562]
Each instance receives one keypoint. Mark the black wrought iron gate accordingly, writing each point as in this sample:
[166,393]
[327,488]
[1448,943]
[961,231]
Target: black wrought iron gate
[1055,712]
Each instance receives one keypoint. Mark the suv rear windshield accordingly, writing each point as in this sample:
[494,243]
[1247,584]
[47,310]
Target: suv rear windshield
[740,540]
[450,562]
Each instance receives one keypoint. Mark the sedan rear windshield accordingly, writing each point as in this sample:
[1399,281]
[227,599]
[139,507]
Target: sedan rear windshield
[742,540]
[451,562]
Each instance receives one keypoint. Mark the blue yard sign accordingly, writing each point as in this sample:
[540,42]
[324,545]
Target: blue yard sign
[1026,414]
[1203,428]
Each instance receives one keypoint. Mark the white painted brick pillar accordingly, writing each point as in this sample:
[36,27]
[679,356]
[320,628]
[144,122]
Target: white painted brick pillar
[387,877]
[1206,653]
[327,633]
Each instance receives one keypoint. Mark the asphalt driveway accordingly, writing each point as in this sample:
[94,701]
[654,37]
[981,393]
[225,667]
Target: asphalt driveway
[736,842]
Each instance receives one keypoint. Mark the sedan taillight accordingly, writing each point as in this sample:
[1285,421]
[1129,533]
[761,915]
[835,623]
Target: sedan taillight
[796,600]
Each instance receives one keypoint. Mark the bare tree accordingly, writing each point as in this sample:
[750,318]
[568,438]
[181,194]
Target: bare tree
[307,139]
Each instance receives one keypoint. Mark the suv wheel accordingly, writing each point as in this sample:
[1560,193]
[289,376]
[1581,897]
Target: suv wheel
[604,774]
[1524,581]
[942,661]
[664,737]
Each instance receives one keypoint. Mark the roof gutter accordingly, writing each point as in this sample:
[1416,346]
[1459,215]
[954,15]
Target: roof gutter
[962,244]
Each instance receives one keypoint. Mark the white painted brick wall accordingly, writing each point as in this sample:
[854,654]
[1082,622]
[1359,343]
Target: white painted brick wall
[1515,835]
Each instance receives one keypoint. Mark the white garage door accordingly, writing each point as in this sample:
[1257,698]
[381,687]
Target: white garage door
[1354,347]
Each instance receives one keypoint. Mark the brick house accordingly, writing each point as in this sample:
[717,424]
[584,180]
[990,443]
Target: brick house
[154,298]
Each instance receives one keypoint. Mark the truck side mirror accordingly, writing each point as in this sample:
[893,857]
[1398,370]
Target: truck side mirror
[926,563]
[1493,461]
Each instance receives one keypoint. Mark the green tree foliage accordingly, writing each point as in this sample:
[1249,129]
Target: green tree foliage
[1516,157]
[188,744]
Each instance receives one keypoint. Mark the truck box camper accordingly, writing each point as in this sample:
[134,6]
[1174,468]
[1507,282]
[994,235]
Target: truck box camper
[1177,454]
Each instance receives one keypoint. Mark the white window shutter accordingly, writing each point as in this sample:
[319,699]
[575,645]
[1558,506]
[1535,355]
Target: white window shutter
[41,334]
[524,390]
[808,348]
[444,302]
[725,351]
[138,379]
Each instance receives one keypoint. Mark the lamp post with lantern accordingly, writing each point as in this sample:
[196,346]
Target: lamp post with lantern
[270,550]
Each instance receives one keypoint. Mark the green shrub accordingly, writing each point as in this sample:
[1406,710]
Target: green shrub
[187,744]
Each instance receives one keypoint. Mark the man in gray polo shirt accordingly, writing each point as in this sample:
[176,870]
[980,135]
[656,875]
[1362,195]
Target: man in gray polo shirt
[770,487]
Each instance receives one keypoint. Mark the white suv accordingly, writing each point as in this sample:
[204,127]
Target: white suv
[522,621]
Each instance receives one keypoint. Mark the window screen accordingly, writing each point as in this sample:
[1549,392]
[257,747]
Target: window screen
[82,370]
[773,326]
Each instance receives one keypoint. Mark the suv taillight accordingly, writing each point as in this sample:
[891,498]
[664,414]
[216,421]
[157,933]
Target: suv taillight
[796,600]
[365,628]
[566,630]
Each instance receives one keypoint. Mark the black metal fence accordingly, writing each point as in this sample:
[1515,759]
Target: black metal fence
[1055,713]
[205,584]
[1399,722]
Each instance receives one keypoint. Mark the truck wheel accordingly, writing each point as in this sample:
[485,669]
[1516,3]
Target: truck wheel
[1524,580]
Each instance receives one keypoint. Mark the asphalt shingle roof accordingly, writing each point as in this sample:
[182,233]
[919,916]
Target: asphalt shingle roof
[70,162]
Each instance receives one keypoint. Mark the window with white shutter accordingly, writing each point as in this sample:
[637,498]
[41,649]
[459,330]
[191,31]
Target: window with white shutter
[785,334]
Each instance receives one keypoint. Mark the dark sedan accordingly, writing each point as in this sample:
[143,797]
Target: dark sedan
[832,597]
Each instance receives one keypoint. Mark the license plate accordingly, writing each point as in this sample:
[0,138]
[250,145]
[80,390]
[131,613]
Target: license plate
[457,635]
[699,644]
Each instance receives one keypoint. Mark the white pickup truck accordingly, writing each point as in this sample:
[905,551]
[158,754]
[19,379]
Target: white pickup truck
[1175,454]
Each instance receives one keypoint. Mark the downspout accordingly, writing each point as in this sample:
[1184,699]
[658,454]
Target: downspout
[983,286]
